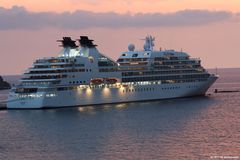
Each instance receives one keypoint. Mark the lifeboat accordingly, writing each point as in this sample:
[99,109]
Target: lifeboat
[111,80]
[97,81]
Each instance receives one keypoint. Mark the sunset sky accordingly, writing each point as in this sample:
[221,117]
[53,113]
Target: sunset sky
[206,29]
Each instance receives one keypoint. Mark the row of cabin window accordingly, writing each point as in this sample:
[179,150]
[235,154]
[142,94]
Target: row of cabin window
[195,86]
[79,70]
[160,72]
[170,58]
[55,60]
[176,66]
[77,82]
[106,63]
[175,81]
[144,68]
[62,60]
[39,83]
[26,90]
[145,59]
[57,71]
[152,89]
[133,63]
[170,88]
[61,71]
[46,77]
[135,54]
[175,77]
[175,62]
[156,61]
[138,90]
[59,66]
[108,69]
[132,59]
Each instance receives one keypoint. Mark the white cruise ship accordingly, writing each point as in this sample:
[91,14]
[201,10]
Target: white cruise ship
[81,75]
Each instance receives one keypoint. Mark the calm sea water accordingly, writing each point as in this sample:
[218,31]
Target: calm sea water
[189,128]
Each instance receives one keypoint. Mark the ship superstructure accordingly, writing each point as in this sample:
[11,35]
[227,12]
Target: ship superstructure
[81,75]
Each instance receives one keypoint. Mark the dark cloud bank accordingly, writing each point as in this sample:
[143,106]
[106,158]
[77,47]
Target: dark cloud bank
[19,18]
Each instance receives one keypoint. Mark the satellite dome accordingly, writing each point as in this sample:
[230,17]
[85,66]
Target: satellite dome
[131,47]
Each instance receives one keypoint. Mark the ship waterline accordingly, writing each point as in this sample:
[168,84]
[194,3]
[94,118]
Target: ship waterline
[93,96]
[82,76]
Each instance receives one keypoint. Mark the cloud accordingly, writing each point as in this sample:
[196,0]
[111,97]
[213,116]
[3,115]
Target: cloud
[19,18]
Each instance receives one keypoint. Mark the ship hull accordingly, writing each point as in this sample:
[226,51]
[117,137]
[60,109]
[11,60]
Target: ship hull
[95,96]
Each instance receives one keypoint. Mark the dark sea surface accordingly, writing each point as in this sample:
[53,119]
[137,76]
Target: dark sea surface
[205,127]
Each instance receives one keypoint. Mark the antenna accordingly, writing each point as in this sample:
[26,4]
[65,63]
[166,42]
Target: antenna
[149,43]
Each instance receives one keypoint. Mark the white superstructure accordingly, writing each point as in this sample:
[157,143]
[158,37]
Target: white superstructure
[83,76]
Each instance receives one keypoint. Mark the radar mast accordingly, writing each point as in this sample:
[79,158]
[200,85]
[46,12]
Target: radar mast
[149,43]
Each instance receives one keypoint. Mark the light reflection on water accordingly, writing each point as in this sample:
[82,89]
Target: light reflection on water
[170,129]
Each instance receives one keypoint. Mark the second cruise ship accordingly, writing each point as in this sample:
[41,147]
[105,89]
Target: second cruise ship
[81,75]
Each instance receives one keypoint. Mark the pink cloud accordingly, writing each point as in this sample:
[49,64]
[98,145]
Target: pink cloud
[20,18]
